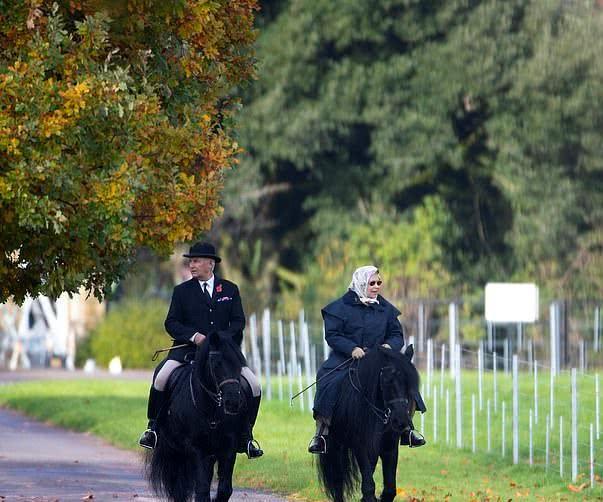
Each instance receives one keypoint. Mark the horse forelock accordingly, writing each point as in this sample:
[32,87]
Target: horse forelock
[227,347]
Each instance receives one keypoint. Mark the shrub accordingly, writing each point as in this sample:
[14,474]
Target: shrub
[132,330]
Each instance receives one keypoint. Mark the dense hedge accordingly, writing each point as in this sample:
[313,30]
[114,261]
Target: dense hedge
[132,330]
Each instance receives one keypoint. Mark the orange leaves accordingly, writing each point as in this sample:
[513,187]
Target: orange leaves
[577,488]
[111,139]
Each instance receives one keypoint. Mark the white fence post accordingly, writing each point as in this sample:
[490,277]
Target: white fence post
[494,365]
[531,441]
[281,345]
[596,328]
[480,376]
[597,421]
[592,457]
[561,445]
[515,411]
[473,423]
[429,365]
[459,401]
[255,351]
[421,330]
[452,331]
[553,330]
[266,346]
[574,427]
[536,392]
[488,418]
[547,442]
[435,414]
[503,429]
[307,362]
[447,416]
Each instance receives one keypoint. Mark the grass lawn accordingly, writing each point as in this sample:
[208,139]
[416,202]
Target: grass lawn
[115,410]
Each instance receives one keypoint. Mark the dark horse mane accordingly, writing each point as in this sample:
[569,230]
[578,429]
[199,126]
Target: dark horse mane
[172,466]
[355,424]
[229,349]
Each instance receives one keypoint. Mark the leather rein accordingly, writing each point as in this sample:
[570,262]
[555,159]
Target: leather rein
[382,414]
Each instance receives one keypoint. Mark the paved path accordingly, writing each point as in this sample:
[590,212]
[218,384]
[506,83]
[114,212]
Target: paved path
[42,463]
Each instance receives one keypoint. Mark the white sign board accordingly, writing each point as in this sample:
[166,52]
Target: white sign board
[508,302]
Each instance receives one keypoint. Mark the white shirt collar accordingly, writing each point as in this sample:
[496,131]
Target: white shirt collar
[210,285]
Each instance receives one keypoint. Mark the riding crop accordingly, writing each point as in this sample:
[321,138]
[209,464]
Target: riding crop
[168,348]
[318,380]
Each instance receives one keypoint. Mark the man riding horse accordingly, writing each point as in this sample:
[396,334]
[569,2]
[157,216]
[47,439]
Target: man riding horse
[200,306]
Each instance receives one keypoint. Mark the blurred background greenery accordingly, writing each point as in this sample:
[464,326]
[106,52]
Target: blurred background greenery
[450,143]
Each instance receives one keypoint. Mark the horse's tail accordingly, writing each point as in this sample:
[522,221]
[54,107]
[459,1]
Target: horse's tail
[170,472]
[338,472]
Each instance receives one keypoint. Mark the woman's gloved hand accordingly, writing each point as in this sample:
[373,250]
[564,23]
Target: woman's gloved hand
[357,353]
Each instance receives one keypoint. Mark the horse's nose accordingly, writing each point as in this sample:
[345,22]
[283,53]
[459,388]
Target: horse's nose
[232,400]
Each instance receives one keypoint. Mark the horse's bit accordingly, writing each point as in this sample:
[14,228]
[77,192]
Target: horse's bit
[215,396]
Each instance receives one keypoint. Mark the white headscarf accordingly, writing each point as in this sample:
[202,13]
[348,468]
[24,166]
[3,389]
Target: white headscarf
[360,280]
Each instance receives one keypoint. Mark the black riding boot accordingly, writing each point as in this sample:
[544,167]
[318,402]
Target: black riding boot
[318,444]
[148,439]
[247,444]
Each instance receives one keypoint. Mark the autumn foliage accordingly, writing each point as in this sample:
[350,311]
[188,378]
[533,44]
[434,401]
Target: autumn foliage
[115,132]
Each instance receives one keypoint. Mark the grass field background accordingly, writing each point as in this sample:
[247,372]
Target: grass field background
[115,410]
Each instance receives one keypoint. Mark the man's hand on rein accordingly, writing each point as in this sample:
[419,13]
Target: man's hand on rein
[198,338]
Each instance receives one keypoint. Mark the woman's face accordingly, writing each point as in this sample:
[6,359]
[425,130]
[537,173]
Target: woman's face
[374,286]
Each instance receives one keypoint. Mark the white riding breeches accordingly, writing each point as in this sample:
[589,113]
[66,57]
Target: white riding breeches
[163,376]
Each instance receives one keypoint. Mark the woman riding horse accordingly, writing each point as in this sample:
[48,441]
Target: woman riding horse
[361,319]
[373,411]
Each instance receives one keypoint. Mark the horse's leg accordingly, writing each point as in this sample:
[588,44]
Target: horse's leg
[366,464]
[226,463]
[389,462]
[205,471]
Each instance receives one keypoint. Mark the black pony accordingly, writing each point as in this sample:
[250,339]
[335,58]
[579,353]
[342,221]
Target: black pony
[373,409]
[201,425]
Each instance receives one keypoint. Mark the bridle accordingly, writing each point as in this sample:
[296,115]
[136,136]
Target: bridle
[215,395]
[382,414]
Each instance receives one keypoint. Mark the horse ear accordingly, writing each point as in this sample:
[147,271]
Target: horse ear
[409,352]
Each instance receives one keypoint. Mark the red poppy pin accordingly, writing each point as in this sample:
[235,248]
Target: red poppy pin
[219,288]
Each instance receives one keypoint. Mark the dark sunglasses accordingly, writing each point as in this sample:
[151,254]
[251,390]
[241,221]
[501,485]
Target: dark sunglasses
[378,283]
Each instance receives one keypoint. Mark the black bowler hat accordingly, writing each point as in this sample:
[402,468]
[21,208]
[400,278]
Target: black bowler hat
[203,250]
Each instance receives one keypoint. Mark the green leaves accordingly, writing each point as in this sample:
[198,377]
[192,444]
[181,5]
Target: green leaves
[488,107]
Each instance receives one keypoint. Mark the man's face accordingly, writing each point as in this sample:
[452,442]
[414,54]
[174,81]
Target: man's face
[201,268]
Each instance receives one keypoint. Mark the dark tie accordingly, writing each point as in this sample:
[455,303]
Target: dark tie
[206,293]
